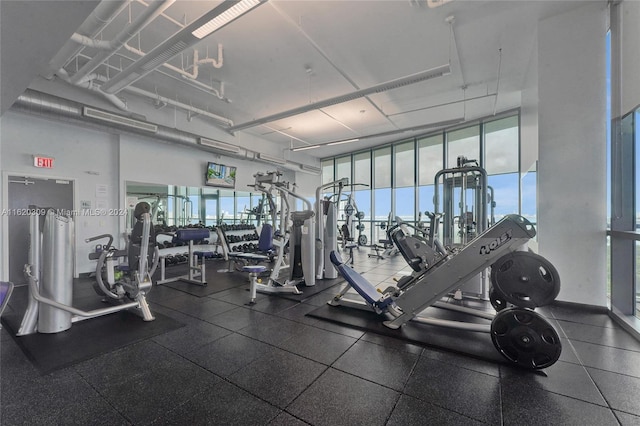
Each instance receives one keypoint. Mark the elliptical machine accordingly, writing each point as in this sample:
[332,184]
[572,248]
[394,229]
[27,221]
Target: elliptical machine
[50,273]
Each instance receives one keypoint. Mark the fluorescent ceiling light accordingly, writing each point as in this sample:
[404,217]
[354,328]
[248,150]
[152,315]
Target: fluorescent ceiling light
[341,142]
[379,88]
[303,148]
[180,41]
[440,124]
[221,146]
[271,159]
[224,18]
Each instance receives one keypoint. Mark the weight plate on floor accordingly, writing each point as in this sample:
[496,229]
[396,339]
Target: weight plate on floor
[497,302]
[362,240]
[525,279]
[525,338]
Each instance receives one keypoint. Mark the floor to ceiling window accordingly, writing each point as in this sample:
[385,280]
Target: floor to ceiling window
[402,174]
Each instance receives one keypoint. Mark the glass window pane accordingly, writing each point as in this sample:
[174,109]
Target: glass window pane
[463,142]
[501,146]
[327,171]
[343,168]
[226,207]
[362,168]
[381,211]
[425,196]
[404,164]
[405,203]
[429,159]
[382,169]
[363,202]
[505,194]
[243,206]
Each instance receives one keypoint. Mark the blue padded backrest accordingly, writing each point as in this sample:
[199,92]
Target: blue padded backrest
[265,242]
[192,234]
[357,281]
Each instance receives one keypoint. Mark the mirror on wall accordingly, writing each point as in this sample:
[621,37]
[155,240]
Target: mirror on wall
[182,206]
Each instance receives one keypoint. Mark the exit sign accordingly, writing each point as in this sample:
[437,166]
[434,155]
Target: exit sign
[44,162]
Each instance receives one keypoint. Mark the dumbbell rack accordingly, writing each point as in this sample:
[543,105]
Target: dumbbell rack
[240,238]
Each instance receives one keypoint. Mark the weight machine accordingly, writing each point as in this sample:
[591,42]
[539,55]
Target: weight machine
[352,214]
[50,272]
[388,248]
[285,278]
[519,278]
[467,211]
[326,229]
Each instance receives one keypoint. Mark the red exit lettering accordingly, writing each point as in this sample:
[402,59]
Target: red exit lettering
[44,162]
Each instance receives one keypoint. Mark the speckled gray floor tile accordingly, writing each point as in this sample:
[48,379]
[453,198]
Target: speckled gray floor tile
[338,398]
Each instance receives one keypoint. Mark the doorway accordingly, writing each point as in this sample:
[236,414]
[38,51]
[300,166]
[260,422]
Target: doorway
[22,192]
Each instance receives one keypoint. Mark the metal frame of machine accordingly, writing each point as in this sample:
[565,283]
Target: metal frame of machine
[519,334]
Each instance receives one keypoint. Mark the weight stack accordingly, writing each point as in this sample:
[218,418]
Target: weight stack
[57,272]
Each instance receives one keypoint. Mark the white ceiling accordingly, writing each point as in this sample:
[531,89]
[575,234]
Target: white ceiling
[288,54]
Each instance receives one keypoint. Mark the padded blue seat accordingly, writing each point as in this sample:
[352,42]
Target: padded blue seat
[256,269]
[359,283]
[203,254]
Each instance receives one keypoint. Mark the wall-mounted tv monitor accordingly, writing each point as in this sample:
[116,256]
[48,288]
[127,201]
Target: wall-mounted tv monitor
[220,175]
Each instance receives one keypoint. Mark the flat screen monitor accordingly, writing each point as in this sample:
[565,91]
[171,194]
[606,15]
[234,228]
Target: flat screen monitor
[220,175]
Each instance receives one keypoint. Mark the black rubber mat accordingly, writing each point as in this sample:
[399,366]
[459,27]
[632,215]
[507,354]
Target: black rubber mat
[216,282]
[475,344]
[86,339]
[308,292]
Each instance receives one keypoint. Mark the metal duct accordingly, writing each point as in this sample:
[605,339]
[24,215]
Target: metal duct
[54,107]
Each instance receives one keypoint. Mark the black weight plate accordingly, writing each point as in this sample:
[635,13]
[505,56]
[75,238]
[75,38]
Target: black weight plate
[525,279]
[497,302]
[525,338]
[362,240]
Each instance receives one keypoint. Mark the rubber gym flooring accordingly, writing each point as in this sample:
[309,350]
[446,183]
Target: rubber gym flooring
[271,363]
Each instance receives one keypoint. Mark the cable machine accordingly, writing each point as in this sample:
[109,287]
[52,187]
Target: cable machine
[467,211]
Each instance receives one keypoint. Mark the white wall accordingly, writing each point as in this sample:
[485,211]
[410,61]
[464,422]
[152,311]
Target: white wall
[76,152]
[111,160]
[572,151]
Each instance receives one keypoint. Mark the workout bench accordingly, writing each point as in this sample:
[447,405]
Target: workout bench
[197,272]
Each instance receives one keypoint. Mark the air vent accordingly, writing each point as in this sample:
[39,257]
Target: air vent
[118,119]
[310,169]
[271,159]
[221,146]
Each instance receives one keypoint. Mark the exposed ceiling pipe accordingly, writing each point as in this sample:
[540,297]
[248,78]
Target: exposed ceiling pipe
[88,83]
[217,18]
[185,107]
[219,119]
[95,22]
[193,83]
[56,108]
[153,11]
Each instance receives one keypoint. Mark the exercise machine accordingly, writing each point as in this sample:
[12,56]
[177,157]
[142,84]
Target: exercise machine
[521,281]
[353,214]
[466,209]
[299,238]
[327,229]
[50,272]
[387,249]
